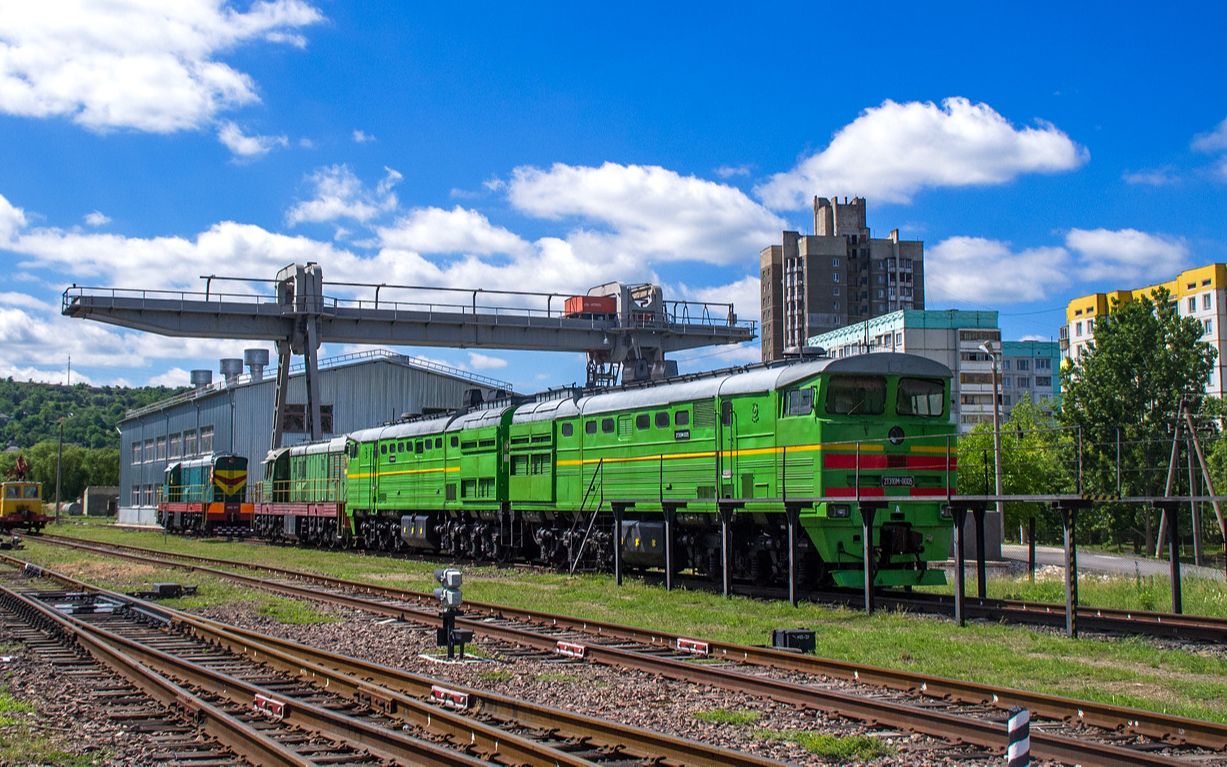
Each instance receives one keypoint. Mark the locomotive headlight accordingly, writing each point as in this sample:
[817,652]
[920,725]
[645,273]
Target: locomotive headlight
[839,511]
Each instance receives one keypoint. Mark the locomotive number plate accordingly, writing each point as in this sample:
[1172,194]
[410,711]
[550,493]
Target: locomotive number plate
[681,434]
[898,481]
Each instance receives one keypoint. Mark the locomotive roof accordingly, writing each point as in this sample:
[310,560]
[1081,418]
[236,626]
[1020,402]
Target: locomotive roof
[405,429]
[760,380]
[546,410]
[204,460]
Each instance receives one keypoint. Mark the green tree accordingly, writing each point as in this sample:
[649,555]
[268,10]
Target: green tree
[1034,452]
[1123,394]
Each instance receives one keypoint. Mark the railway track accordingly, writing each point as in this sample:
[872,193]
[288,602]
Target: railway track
[1189,628]
[495,727]
[1064,730]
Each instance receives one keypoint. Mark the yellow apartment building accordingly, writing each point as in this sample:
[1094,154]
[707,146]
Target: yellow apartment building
[1200,293]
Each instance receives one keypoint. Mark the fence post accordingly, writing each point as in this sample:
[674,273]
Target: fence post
[1031,547]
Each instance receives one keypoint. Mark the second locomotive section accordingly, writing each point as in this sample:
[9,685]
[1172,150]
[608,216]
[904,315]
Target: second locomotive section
[536,481]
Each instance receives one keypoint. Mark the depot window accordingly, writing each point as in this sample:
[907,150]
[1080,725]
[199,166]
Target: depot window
[921,396]
[856,395]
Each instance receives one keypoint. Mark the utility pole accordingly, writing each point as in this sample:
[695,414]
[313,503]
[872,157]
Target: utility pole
[987,348]
[59,459]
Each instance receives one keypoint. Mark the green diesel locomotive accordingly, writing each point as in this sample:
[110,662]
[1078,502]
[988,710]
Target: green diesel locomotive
[539,479]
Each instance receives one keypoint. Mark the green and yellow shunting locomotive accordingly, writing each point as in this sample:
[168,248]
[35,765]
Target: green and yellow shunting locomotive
[536,479]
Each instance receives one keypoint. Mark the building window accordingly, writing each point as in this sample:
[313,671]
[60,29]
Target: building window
[1192,304]
[836,291]
[835,277]
[1078,329]
[1024,365]
[136,453]
[898,339]
[1043,380]
[1005,364]
[1024,382]
[149,451]
[136,495]
[1005,382]
[835,262]
[206,439]
[295,419]
[1209,326]
[1205,302]
[976,336]
[189,444]
[176,445]
[1043,363]
[161,448]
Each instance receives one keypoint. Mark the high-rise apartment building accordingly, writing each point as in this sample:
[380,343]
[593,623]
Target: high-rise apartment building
[1200,293]
[837,276]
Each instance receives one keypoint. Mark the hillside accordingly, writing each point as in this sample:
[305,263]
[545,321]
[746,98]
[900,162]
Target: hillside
[30,412]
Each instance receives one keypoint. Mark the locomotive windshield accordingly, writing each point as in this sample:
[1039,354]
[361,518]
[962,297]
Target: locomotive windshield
[856,395]
[921,396]
[27,491]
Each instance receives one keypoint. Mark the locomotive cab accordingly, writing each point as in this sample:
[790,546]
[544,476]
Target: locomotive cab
[21,506]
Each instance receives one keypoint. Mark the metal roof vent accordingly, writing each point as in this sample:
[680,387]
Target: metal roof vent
[231,368]
[256,359]
[201,378]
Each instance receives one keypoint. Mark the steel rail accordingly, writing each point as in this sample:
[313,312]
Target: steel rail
[384,688]
[953,727]
[241,738]
[1174,729]
[309,717]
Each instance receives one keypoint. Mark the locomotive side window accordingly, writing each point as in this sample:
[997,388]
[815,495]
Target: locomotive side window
[590,427]
[921,396]
[567,429]
[856,395]
[455,441]
[383,448]
[643,421]
[662,420]
[438,443]
[607,425]
[681,418]
[799,402]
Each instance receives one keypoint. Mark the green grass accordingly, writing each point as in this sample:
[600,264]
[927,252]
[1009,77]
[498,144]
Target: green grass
[1121,671]
[846,748]
[19,744]
[495,675]
[558,677]
[735,716]
[292,611]
[1201,596]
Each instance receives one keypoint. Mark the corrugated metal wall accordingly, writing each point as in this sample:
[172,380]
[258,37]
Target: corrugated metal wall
[241,417]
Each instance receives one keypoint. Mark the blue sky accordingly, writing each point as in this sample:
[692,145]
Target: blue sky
[1041,151]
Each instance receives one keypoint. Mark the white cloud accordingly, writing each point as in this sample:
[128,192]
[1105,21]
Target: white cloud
[10,298]
[459,230]
[486,362]
[971,269]
[362,137]
[892,151]
[38,375]
[174,377]
[1126,256]
[648,212]
[247,147]
[1213,141]
[148,66]
[1155,177]
[340,194]
[97,218]
[745,295]
[729,171]
[12,220]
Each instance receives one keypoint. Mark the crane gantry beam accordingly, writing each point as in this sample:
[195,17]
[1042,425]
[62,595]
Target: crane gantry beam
[633,337]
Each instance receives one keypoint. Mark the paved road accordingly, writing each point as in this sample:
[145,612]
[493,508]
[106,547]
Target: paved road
[1095,562]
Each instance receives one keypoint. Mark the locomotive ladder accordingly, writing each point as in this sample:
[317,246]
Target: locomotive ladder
[598,471]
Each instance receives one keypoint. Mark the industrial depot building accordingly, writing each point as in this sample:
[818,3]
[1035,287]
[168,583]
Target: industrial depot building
[235,415]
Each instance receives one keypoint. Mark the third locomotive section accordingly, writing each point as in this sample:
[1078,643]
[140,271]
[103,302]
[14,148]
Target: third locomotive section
[537,481]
